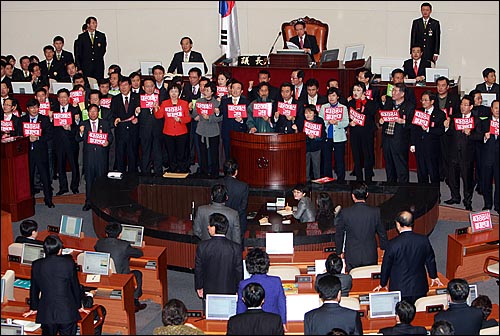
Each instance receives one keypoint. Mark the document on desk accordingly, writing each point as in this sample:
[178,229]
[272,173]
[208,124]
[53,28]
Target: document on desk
[93,278]
[284,212]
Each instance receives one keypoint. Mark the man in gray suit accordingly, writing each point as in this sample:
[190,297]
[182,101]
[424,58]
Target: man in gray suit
[217,205]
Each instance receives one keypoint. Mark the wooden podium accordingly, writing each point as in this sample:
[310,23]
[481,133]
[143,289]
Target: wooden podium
[16,189]
[270,159]
[289,60]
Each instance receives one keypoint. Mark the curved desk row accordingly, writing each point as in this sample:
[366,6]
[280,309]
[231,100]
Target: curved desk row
[163,207]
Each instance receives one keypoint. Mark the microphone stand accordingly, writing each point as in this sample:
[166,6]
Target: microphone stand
[272,47]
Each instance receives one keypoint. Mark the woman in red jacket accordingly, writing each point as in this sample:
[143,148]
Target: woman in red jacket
[176,114]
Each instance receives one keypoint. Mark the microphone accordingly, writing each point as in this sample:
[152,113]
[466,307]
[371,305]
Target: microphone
[276,40]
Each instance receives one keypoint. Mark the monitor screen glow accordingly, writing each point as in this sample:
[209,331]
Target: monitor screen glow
[147,67]
[432,74]
[383,304]
[11,329]
[279,243]
[133,234]
[220,307]
[96,263]
[31,252]
[354,52]
[22,87]
[71,226]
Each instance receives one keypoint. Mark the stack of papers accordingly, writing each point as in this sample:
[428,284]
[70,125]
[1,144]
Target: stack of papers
[284,212]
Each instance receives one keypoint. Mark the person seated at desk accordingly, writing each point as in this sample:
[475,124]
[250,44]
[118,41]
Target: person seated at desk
[305,209]
[466,320]
[174,316]
[331,315]
[257,264]
[334,267]
[255,321]
[414,67]
[29,232]
[405,313]
[483,302]
[186,55]
[303,40]
[121,251]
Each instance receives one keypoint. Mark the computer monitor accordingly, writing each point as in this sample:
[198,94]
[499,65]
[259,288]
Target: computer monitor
[319,266]
[385,73]
[488,98]
[472,294]
[279,242]
[383,304]
[147,67]
[299,304]
[186,66]
[55,87]
[354,52]
[96,263]
[133,234]
[22,87]
[220,306]
[71,226]
[432,74]
[11,329]
[329,55]
[31,252]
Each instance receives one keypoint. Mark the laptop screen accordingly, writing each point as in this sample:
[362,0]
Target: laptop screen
[383,304]
[96,263]
[133,234]
[220,307]
[472,294]
[12,329]
[31,252]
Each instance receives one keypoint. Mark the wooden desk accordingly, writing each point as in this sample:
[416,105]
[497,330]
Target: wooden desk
[154,281]
[120,312]
[467,252]
[15,310]
[297,328]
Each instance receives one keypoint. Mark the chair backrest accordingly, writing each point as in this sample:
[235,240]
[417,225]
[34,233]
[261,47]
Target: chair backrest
[350,302]
[489,331]
[112,267]
[284,272]
[92,82]
[313,27]
[16,249]
[431,300]
[364,271]
[9,278]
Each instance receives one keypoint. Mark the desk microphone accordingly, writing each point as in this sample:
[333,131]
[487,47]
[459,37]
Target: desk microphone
[276,40]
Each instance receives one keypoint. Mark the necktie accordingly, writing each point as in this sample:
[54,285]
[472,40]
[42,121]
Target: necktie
[296,93]
[94,127]
[92,37]
[330,131]
[126,104]
[58,57]
[48,66]
[186,57]
[489,89]
[235,101]
[63,109]
[26,74]
[415,68]
[425,24]
[302,42]
[32,121]
[194,89]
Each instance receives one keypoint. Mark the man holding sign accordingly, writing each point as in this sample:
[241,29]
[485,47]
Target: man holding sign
[96,136]
[260,112]
[396,118]
[39,153]
[463,135]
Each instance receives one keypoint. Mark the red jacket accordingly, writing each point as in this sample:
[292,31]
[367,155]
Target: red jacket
[170,126]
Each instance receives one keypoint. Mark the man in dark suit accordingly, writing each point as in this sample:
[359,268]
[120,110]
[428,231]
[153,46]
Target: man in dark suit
[405,313]
[331,315]
[95,156]
[425,141]
[358,224]
[23,74]
[29,232]
[67,148]
[489,85]
[303,40]
[217,205]
[414,68]
[61,55]
[254,321]
[186,55]
[123,108]
[121,251]
[264,76]
[55,290]
[90,49]
[461,154]
[489,164]
[396,136]
[192,91]
[334,267]
[299,89]
[465,319]
[51,68]
[15,128]
[37,79]
[38,156]
[405,260]
[426,32]
[237,193]
[218,268]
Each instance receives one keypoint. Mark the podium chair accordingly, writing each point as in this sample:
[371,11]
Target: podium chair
[313,27]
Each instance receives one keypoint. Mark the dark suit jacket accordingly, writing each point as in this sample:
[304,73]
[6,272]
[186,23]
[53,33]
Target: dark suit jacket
[465,319]
[218,266]
[57,69]
[429,37]
[95,156]
[403,329]
[408,68]
[494,89]
[16,122]
[90,58]
[461,142]
[66,57]
[118,111]
[452,102]
[345,282]
[228,124]
[321,320]
[23,239]
[237,199]
[401,131]
[359,224]
[436,130]
[55,277]
[120,250]
[40,150]
[309,43]
[255,322]
[176,63]
[64,137]
[405,261]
